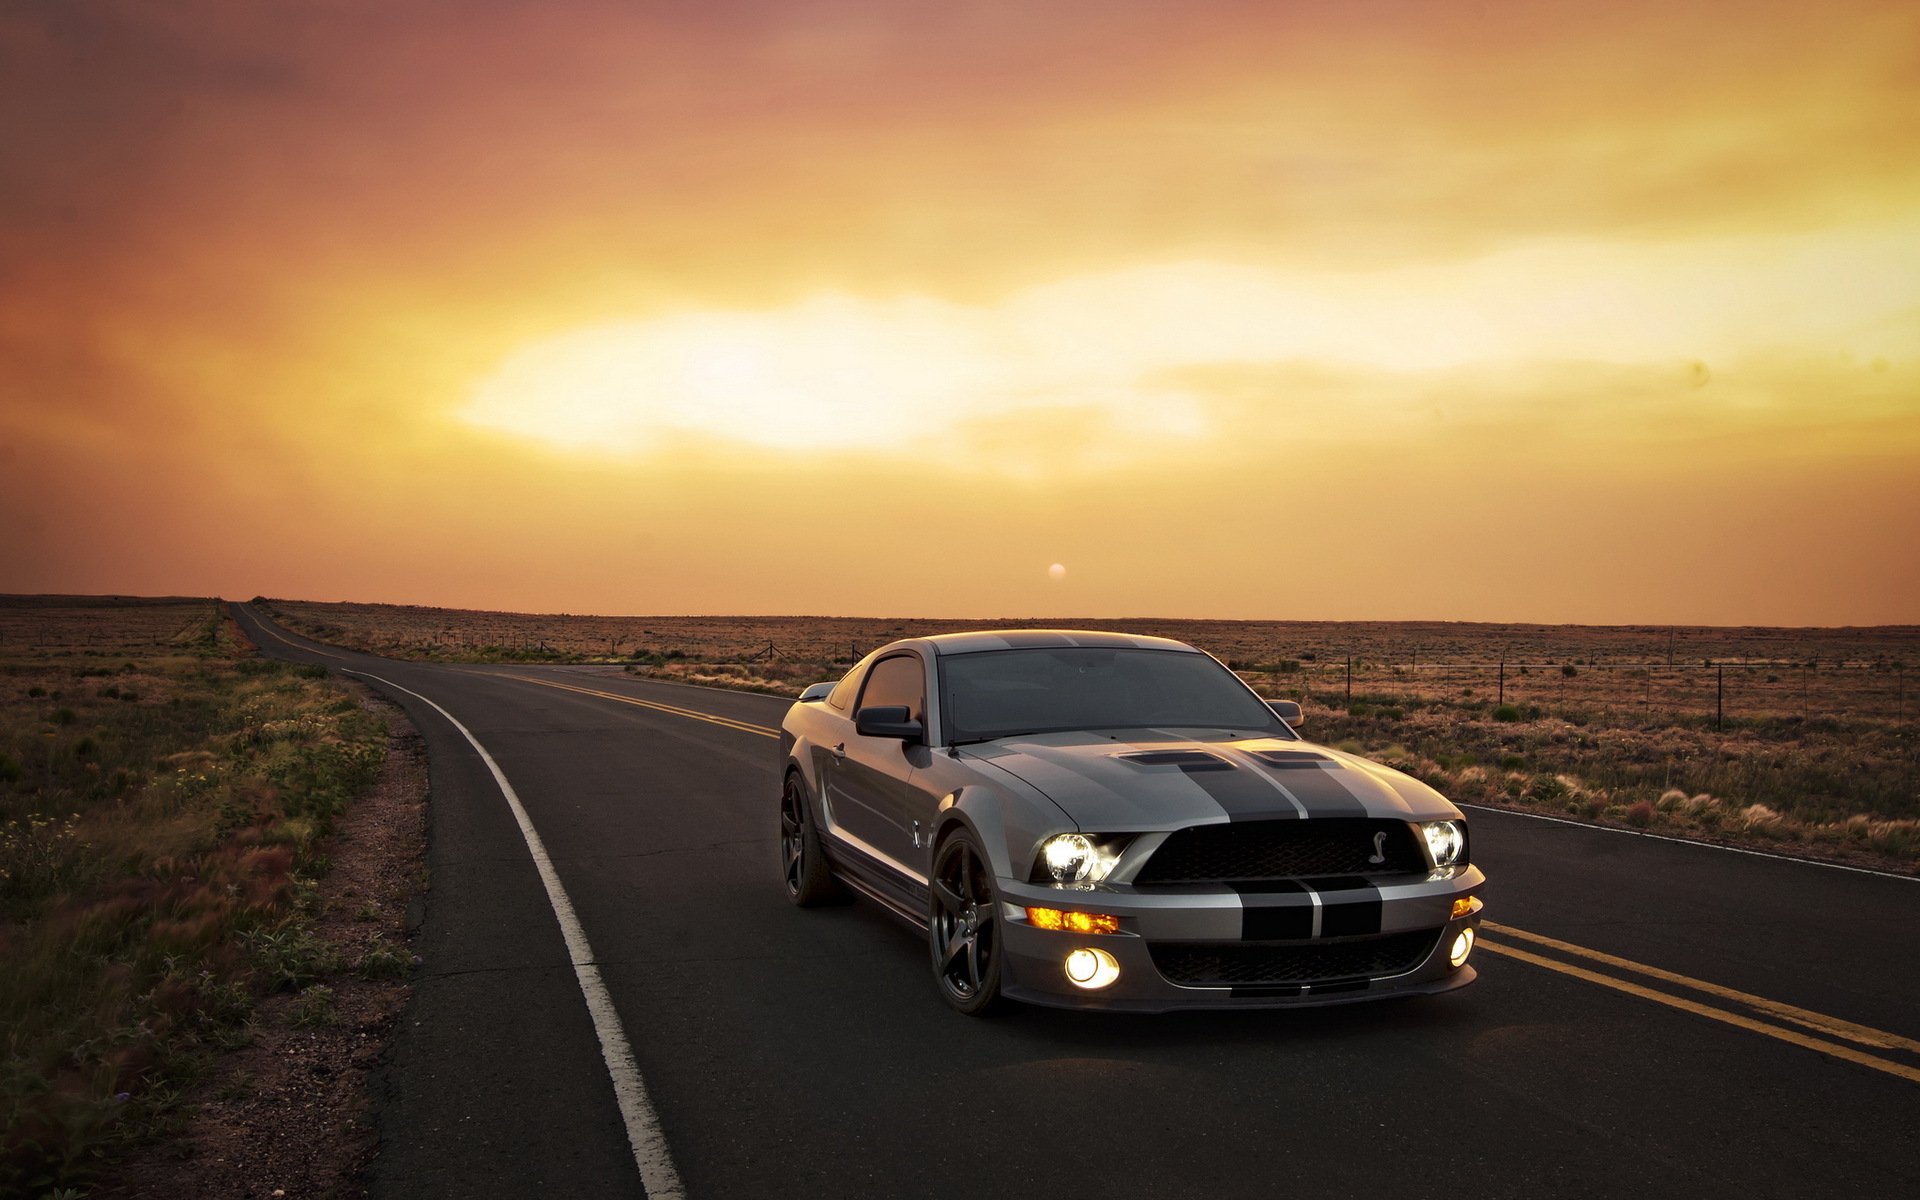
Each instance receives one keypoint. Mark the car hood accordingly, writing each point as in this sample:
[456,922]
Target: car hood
[1107,784]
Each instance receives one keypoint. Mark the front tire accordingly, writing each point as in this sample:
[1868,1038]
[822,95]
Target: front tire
[809,881]
[963,928]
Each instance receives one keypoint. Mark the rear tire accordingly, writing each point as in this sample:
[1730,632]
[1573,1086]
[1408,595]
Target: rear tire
[808,880]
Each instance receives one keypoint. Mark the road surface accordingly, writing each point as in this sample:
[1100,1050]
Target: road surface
[1652,1017]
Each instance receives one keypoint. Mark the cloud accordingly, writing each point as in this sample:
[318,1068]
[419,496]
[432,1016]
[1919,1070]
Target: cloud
[1128,351]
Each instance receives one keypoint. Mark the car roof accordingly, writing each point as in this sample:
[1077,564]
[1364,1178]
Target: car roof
[1041,639]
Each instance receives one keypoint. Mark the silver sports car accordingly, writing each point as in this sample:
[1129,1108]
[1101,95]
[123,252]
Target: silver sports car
[1097,820]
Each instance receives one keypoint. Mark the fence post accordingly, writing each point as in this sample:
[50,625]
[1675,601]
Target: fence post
[1503,684]
[1719,696]
[1349,678]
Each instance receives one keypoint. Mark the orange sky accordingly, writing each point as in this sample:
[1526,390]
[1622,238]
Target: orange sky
[1550,312]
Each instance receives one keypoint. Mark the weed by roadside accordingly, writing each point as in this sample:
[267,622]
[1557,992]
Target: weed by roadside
[1833,788]
[156,837]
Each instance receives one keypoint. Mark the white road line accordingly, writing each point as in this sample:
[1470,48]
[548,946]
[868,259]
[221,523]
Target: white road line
[1661,837]
[650,1151]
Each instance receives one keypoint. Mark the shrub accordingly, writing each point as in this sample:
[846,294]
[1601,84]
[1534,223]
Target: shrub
[314,1007]
[384,961]
[1568,670]
[1506,712]
[1547,788]
[289,958]
[1640,813]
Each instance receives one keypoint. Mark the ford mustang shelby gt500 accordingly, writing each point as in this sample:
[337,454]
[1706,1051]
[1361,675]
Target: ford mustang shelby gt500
[1097,820]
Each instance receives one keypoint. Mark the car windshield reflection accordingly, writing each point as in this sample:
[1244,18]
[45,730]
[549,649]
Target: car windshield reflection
[1006,693]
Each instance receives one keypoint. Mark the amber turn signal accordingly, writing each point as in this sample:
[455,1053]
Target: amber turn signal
[1462,906]
[1072,922]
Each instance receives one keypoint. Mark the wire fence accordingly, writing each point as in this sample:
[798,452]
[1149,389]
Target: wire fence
[1721,691]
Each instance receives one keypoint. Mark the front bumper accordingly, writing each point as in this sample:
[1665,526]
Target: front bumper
[1291,946]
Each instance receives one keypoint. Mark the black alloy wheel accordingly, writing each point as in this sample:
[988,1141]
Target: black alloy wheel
[808,880]
[963,931]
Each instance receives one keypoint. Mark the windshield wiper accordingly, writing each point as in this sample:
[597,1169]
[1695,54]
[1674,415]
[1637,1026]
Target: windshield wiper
[994,737]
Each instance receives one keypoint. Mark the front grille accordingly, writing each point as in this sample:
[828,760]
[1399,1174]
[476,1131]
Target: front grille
[1251,851]
[1242,964]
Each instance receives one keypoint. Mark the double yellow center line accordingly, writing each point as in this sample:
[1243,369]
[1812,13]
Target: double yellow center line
[670,709]
[1743,1010]
[1778,1018]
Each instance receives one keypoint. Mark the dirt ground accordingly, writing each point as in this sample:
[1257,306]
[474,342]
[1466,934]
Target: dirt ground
[289,1113]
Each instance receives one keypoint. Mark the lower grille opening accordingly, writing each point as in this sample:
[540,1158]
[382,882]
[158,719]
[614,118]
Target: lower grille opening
[1239,964]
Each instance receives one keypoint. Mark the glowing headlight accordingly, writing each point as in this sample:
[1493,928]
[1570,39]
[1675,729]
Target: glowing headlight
[1091,969]
[1071,858]
[1462,946]
[1446,841]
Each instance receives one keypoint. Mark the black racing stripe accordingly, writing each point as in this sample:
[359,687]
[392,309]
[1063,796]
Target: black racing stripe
[1348,912]
[1274,911]
[1321,792]
[1341,883]
[1244,796]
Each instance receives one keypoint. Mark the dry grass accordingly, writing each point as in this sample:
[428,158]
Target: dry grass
[163,790]
[1815,727]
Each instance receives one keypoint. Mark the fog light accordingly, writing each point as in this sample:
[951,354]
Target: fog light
[1462,946]
[1072,922]
[1091,969]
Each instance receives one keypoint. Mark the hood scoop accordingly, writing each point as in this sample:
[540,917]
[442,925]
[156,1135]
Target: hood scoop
[1294,759]
[1187,760]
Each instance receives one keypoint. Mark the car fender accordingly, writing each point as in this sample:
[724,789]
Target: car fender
[1003,824]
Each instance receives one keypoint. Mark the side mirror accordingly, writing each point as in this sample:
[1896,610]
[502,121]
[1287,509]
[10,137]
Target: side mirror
[815,691]
[888,721]
[1288,711]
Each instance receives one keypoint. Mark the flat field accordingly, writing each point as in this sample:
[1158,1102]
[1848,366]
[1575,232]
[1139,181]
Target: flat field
[1801,740]
[165,793]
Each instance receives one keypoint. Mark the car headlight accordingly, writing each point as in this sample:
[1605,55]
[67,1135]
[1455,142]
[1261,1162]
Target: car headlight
[1446,841]
[1075,858]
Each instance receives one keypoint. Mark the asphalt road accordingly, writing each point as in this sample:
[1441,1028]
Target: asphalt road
[1697,1023]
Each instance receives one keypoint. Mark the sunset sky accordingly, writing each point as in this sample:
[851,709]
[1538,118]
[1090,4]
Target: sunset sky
[1534,312]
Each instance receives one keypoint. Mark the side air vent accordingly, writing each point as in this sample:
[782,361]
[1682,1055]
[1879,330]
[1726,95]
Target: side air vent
[1294,759]
[1190,760]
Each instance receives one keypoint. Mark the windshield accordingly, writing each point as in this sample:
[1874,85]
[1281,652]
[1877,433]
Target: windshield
[995,693]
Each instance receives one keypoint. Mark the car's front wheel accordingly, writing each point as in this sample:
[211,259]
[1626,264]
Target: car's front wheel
[963,929]
[808,880]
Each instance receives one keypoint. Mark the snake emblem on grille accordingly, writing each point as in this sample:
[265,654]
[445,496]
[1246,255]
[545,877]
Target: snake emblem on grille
[1379,854]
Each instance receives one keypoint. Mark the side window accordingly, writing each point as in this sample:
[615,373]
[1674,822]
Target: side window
[897,680]
[841,697]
